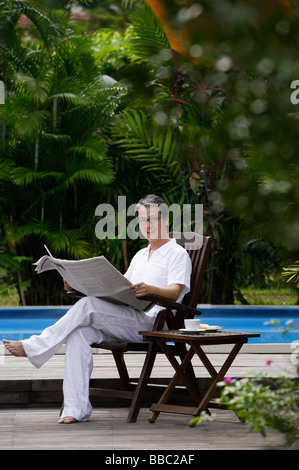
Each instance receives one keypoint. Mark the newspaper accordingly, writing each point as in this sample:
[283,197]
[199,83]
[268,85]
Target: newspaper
[96,277]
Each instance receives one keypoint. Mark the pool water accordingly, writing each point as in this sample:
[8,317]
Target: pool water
[22,322]
[271,322]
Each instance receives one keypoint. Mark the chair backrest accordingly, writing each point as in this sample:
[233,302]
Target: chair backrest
[198,248]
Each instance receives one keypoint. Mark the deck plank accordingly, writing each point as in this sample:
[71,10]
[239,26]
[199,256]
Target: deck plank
[37,429]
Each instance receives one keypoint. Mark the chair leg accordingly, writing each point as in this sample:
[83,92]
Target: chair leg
[142,383]
[122,369]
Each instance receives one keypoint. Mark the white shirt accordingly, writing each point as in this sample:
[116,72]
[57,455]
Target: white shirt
[169,264]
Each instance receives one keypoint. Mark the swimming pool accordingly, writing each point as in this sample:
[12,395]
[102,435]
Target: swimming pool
[255,319]
[22,322]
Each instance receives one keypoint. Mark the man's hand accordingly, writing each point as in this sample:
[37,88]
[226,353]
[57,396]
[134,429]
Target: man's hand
[66,286]
[141,288]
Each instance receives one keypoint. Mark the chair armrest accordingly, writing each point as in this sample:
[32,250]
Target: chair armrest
[157,299]
[172,304]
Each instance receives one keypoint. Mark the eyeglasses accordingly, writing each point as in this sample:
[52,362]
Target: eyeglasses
[150,220]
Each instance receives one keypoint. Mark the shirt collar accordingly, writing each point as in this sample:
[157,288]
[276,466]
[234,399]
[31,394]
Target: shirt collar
[163,250]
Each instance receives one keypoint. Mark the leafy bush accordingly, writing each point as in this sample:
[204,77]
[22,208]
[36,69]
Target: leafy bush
[263,402]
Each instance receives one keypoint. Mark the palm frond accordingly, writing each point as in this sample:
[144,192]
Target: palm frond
[147,34]
[292,272]
[93,149]
[68,97]
[6,167]
[10,48]
[28,124]
[35,89]
[48,30]
[59,240]
[128,3]
[11,262]
[94,113]
[95,172]
[22,176]
[49,138]
[147,142]
[70,242]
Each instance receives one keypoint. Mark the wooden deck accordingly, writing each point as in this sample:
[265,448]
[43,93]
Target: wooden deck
[30,400]
[37,429]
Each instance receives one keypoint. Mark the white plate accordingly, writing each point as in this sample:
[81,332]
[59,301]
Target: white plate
[201,330]
[192,332]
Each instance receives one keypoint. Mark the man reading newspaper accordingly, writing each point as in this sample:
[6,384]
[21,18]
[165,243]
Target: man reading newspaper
[162,268]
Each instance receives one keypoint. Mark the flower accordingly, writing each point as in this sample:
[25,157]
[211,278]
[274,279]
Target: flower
[269,362]
[227,380]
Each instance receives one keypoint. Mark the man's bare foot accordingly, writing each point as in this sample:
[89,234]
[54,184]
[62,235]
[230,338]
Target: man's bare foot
[15,348]
[67,420]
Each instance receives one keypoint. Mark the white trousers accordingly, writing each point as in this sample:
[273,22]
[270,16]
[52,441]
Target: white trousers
[90,320]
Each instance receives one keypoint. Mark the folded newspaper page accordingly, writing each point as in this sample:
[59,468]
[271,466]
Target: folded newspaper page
[96,277]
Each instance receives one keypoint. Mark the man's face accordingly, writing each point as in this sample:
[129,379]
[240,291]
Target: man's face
[151,223]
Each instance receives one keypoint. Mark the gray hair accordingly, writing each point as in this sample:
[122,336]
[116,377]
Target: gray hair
[153,200]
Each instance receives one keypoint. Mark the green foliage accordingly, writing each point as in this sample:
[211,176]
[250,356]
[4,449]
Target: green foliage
[265,403]
[54,157]
[268,296]
[148,38]
[152,145]
[262,402]
[292,272]
[213,126]
[258,134]
[237,127]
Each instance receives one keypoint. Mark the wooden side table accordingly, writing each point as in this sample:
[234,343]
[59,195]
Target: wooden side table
[196,341]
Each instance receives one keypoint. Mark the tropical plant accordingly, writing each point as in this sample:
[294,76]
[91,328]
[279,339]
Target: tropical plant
[203,124]
[226,103]
[166,130]
[292,273]
[265,403]
[55,162]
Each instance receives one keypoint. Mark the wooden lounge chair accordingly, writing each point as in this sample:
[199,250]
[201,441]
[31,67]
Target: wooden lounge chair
[187,309]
